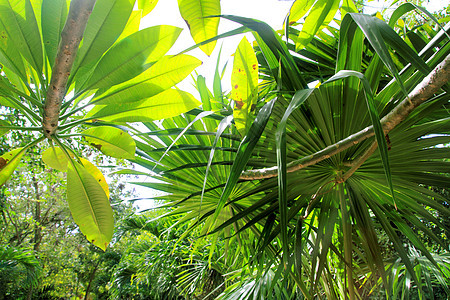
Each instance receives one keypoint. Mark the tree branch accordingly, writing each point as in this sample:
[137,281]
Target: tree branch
[421,93]
[71,36]
[358,162]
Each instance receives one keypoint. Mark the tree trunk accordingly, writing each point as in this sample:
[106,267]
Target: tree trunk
[91,278]
[71,36]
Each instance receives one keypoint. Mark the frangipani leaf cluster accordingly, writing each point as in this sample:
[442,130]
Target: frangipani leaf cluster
[76,71]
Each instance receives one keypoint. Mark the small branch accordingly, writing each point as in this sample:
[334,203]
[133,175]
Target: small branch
[421,93]
[71,36]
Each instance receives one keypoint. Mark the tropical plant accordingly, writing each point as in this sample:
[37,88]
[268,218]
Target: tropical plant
[65,69]
[35,220]
[19,270]
[306,180]
[157,264]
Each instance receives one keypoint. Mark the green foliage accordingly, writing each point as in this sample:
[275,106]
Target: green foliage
[307,202]
[179,268]
[19,270]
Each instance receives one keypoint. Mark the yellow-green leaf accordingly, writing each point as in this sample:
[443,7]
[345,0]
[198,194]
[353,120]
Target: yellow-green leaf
[105,24]
[7,102]
[22,29]
[133,23]
[9,162]
[147,6]
[167,104]
[298,9]
[89,206]
[55,158]
[128,58]
[111,141]
[97,174]
[3,130]
[194,12]
[54,15]
[320,15]
[164,74]
[244,84]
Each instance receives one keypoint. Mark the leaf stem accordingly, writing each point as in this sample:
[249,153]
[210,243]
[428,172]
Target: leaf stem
[22,128]
[74,111]
[70,125]
[33,117]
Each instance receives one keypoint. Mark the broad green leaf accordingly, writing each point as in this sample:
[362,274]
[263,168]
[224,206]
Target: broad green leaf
[320,15]
[164,74]
[16,80]
[243,155]
[194,12]
[220,129]
[89,206]
[10,57]
[9,162]
[37,7]
[164,105]
[371,29]
[106,23]
[97,174]
[55,158]
[3,130]
[244,84]
[299,98]
[348,6]
[22,30]
[129,57]
[111,141]
[54,15]
[6,88]
[147,6]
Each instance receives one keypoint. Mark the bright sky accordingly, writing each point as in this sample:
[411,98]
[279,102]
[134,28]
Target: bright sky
[272,12]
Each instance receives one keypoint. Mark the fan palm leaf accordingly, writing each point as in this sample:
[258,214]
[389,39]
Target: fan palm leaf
[313,215]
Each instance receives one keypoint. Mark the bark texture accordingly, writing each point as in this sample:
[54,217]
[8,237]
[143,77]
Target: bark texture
[71,36]
[430,85]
